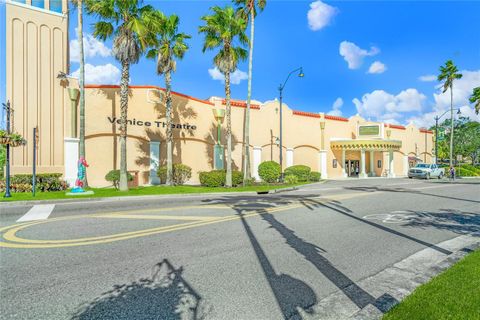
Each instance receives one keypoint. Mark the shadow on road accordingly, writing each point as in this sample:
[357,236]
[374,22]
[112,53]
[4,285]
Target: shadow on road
[167,295]
[457,221]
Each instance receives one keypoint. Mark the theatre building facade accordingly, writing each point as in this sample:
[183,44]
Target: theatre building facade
[336,147]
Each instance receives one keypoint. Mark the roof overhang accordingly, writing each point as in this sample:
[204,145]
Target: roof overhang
[366,144]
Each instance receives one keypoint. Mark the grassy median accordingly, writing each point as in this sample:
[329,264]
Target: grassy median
[140,191]
[454,294]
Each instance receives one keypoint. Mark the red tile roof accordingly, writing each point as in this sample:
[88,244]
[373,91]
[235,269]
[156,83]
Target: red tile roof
[240,103]
[395,126]
[424,130]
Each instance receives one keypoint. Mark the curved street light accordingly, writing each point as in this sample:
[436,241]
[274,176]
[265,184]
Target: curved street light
[436,131]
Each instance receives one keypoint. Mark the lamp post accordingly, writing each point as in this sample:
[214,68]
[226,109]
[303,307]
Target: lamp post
[8,109]
[280,89]
[219,115]
[436,134]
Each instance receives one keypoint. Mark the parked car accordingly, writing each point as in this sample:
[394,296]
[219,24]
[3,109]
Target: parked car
[426,171]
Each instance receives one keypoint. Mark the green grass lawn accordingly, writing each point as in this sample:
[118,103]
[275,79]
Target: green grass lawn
[454,294]
[151,190]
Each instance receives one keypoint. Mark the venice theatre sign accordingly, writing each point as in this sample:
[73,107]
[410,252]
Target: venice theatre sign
[155,123]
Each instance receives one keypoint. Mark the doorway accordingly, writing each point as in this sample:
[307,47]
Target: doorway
[352,168]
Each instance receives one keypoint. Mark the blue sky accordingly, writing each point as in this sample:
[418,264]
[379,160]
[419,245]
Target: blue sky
[336,43]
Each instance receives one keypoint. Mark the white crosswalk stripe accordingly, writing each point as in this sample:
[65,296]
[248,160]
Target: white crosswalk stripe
[38,212]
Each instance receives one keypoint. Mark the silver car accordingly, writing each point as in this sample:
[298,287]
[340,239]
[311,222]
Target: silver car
[426,171]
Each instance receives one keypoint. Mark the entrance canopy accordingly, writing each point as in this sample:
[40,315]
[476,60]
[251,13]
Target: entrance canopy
[365,144]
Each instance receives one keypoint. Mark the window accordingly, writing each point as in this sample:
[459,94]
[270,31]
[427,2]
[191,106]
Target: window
[379,163]
[38,3]
[56,5]
[334,163]
[21,1]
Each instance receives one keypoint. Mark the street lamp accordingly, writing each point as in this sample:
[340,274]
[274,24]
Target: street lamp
[280,89]
[436,135]
[8,109]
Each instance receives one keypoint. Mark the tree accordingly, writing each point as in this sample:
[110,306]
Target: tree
[248,10]
[475,99]
[81,83]
[449,73]
[126,22]
[225,30]
[168,44]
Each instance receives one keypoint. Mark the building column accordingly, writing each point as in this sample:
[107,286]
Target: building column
[71,159]
[154,162]
[362,173]
[391,172]
[372,163]
[257,159]
[344,172]
[322,163]
[289,157]
[405,165]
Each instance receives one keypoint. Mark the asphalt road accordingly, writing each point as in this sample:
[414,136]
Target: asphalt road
[250,256]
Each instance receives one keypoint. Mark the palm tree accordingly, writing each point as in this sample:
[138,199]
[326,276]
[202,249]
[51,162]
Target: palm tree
[449,73]
[225,30]
[248,9]
[81,82]
[475,98]
[126,22]
[168,44]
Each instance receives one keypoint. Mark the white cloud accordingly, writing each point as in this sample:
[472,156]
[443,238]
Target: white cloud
[377,67]
[235,78]
[428,78]
[383,106]
[101,74]
[337,105]
[320,15]
[354,55]
[91,48]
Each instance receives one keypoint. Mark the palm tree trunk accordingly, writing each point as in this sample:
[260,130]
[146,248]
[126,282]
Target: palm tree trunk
[246,134]
[81,84]
[123,185]
[168,116]
[451,119]
[228,180]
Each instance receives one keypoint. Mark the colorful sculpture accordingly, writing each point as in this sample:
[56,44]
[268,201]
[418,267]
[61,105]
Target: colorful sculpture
[81,174]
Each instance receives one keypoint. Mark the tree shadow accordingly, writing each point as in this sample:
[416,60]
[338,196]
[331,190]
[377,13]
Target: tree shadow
[211,140]
[166,295]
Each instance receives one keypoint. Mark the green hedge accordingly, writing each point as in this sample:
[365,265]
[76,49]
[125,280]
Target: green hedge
[471,168]
[44,182]
[217,178]
[314,176]
[269,171]
[181,173]
[290,179]
[302,172]
[113,176]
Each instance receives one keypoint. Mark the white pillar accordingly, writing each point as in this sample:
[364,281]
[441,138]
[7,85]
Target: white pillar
[322,163]
[405,165]
[362,174]
[257,159]
[391,170]
[154,162]
[372,163]
[289,157]
[71,159]
[344,173]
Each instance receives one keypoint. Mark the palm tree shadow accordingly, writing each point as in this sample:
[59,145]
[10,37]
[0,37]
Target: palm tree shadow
[211,139]
[166,295]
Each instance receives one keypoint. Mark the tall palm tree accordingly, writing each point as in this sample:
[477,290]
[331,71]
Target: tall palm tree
[224,30]
[168,44]
[475,98]
[126,22]
[248,10]
[448,74]
[81,82]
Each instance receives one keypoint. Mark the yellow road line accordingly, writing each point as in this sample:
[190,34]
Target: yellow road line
[154,217]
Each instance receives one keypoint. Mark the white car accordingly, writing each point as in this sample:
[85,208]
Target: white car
[426,171]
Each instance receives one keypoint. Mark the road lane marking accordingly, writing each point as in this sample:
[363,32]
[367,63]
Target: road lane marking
[38,212]
[154,217]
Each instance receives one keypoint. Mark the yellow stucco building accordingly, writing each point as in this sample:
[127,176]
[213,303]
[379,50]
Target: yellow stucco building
[37,50]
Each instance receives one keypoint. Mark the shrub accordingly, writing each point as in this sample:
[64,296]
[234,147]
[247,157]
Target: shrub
[462,172]
[269,171]
[314,176]
[471,168]
[291,179]
[114,177]
[217,178]
[181,173]
[44,182]
[302,172]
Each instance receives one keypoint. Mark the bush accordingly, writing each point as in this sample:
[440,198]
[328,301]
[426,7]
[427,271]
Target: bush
[314,176]
[181,173]
[300,171]
[114,177]
[469,167]
[291,179]
[44,182]
[217,178]
[269,171]
[462,172]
